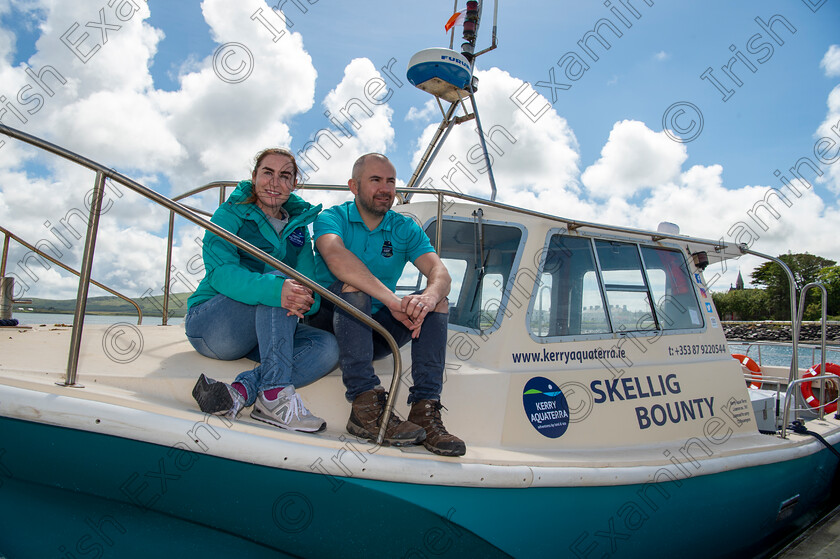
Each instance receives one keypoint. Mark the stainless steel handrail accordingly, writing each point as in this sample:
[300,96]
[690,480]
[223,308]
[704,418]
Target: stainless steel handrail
[571,224]
[791,386]
[102,173]
[8,234]
[167,281]
[440,194]
[224,184]
[824,301]
[749,345]
[794,334]
[174,207]
[208,186]
[84,278]
[5,253]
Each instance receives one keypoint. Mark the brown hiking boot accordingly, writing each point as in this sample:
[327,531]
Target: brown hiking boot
[365,417]
[426,414]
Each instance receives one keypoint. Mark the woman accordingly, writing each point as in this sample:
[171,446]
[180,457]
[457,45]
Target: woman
[245,308]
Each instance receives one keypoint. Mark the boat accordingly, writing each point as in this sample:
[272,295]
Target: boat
[587,371]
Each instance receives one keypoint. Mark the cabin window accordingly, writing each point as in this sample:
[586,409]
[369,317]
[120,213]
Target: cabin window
[625,286]
[595,286]
[672,288]
[412,280]
[479,256]
[569,300]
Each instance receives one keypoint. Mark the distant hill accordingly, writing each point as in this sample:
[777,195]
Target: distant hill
[151,306]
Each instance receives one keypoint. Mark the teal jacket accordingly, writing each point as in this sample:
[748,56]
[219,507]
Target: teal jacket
[242,277]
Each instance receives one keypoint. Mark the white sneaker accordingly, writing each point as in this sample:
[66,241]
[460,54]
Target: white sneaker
[287,412]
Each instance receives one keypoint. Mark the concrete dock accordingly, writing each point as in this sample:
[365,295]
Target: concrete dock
[820,541]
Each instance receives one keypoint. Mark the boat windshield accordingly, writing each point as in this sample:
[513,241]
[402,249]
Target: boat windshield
[480,271]
[598,286]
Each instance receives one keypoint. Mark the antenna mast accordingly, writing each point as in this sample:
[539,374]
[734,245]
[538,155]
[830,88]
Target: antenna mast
[436,71]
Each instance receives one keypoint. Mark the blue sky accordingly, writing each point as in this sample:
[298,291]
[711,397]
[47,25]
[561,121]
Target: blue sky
[150,103]
[656,62]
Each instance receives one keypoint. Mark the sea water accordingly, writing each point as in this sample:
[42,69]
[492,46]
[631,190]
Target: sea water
[36,319]
[780,354]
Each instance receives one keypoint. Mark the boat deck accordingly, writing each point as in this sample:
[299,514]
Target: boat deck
[152,369]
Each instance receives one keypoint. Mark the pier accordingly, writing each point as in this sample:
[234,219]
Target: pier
[820,541]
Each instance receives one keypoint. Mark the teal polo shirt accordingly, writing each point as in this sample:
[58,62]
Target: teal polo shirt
[385,250]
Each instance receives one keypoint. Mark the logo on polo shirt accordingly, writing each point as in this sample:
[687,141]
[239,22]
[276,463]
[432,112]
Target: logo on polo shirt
[387,249]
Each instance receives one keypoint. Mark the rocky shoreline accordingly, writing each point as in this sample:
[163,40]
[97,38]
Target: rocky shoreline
[779,331]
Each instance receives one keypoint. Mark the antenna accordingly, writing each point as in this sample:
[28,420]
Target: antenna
[448,75]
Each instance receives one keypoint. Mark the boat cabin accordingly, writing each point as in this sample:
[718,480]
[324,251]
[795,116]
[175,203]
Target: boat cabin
[613,333]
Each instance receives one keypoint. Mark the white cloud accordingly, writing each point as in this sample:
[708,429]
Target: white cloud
[106,108]
[529,158]
[639,182]
[87,97]
[196,131]
[830,130]
[429,110]
[831,61]
[123,128]
[205,130]
[209,129]
[357,120]
[661,56]
[634,158]
[222,124]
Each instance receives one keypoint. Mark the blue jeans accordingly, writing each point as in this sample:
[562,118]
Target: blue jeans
[288,353]
[359,345]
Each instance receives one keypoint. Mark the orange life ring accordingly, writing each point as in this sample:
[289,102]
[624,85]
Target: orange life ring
[755,371]
[807,388]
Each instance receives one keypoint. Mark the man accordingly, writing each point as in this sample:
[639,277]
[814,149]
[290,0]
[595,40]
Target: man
[361,248]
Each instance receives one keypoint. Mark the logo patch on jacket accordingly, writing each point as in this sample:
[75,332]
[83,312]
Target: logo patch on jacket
[297,237]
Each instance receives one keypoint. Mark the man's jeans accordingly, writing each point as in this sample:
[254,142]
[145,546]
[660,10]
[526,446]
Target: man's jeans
[359,345]
[288,353]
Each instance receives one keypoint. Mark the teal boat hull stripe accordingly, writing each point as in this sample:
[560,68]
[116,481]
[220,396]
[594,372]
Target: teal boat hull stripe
[100,483]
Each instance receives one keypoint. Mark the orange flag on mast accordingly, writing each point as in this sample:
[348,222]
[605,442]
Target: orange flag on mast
[456,19]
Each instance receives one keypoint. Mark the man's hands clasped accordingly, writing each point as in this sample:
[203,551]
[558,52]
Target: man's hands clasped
[411,310]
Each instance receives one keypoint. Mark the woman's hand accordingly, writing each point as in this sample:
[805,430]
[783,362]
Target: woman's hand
[296,298]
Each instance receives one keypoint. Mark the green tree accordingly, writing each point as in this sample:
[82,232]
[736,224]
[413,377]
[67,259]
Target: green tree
[830,276]
[805,268]
[741,304]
